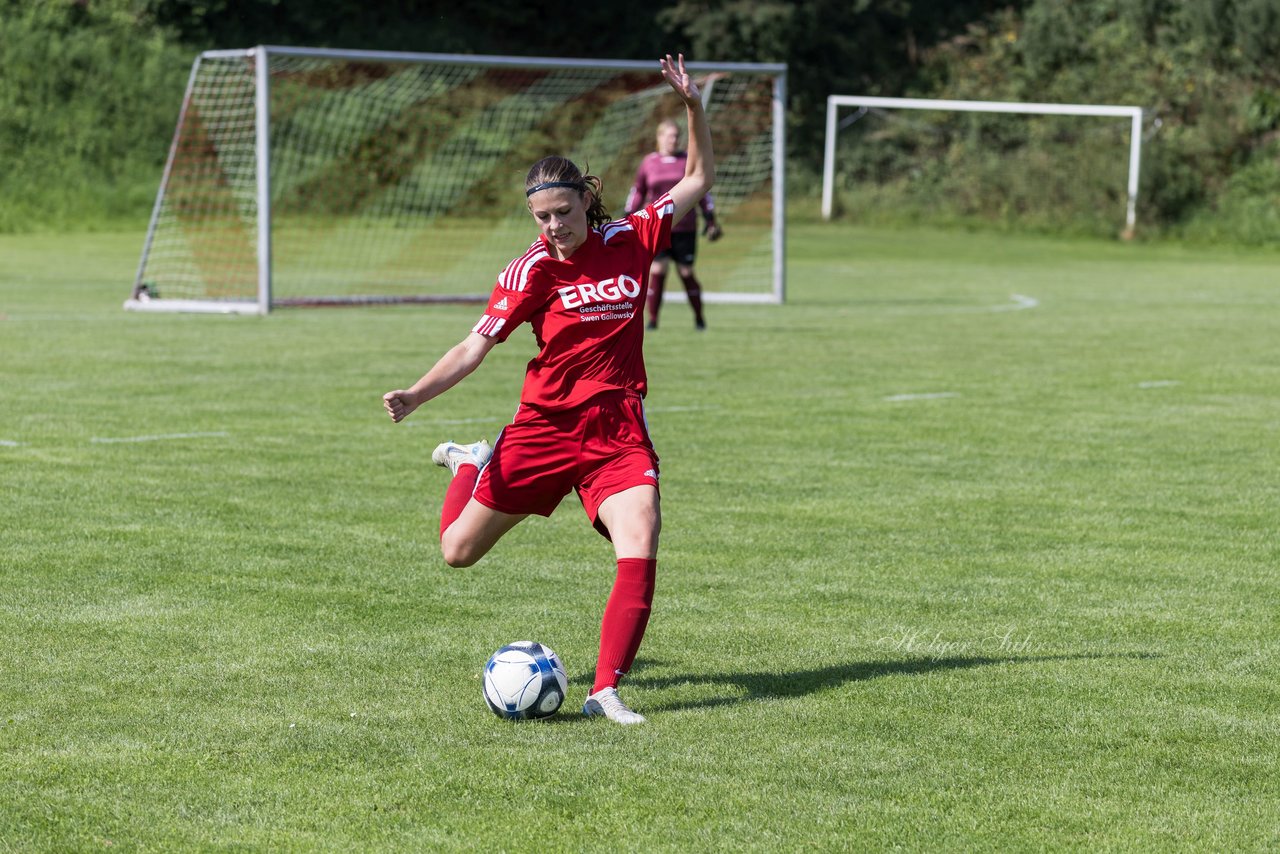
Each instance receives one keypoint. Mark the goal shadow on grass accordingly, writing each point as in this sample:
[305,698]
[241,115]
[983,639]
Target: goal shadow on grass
[799,683]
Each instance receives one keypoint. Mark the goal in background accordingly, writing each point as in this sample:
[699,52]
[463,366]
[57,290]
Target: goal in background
[1037,164]
[303,176]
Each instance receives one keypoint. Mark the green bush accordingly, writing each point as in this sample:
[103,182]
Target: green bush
[88,98]
[1199,69]
[1247,210]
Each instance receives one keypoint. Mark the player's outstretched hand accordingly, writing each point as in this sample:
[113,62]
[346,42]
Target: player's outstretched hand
[712,231]
[675,75]
[399,404]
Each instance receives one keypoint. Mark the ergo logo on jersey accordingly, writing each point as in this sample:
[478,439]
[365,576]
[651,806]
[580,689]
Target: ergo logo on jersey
[610,290]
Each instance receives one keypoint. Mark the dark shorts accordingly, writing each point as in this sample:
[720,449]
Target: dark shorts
[684,246]
[599,449]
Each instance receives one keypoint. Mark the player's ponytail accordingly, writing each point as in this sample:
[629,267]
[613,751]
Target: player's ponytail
[556,171]
[597,213]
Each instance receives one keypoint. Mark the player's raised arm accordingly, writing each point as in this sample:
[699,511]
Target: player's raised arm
[700,168]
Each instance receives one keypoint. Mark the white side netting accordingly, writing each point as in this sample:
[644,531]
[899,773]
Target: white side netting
[203,237]
[397,179]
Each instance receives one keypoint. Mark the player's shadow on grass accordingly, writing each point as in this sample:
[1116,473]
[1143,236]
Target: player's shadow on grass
[799,683]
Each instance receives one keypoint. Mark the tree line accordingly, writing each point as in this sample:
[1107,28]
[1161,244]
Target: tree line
[89,89]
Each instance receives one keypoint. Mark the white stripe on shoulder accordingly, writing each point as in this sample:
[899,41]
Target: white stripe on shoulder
[516,276]
[664,205]
[610,230]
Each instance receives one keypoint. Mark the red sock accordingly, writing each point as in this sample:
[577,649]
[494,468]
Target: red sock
[458,494]
[626,615]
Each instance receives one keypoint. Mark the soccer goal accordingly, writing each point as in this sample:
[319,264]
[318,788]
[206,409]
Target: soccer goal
[1050,164]
[301,176]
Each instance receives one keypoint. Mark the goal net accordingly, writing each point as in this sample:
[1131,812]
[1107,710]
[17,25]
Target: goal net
[1061,166]
[304,176]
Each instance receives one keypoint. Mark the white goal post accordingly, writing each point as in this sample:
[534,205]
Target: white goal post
[309,176]
[835,102]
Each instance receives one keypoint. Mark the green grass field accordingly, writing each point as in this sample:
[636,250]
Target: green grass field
[972,545]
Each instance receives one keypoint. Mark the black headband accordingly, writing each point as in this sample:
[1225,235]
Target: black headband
[547,185]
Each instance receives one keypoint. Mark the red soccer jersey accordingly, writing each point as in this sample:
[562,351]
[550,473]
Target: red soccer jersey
[657,174]
[586,312]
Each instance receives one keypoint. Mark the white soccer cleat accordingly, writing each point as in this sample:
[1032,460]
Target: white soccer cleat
[451,455]
[606,702]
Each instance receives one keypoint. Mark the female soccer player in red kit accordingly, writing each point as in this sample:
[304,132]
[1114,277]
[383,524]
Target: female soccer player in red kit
[580,425]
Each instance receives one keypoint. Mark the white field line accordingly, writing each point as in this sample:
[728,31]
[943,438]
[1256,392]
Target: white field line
[452,421]
[1159,383]
[1017,302]
[1021,302]
[932,395]
[9,443]
[165,437]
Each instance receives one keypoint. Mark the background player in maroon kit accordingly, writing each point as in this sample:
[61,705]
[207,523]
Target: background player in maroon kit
[580,425]
[658,173]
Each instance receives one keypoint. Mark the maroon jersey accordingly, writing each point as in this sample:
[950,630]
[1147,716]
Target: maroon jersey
[657,174]
[586,312]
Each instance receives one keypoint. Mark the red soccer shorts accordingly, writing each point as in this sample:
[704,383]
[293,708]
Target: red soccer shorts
[599,449]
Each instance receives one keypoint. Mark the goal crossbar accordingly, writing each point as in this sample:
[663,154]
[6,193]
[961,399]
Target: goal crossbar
[1134,114]
[489,60]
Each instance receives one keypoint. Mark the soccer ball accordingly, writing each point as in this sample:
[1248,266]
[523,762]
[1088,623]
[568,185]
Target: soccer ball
[524,680]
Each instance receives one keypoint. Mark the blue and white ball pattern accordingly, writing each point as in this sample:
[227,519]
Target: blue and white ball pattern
[524,680]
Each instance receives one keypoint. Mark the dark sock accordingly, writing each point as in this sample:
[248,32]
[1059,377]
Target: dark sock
[657,284]
[693,288]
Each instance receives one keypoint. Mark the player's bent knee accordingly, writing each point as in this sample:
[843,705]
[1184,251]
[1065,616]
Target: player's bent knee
[459,553]
[460,561]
